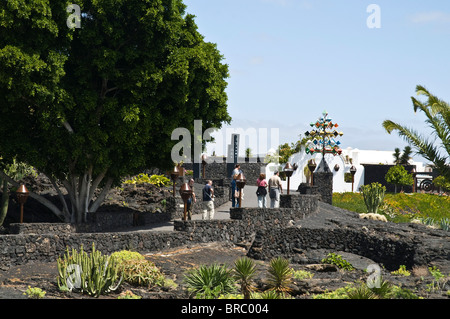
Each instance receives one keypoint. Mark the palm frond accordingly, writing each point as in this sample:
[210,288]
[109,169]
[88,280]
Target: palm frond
[422,145]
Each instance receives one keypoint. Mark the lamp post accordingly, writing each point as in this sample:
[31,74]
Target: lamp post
[22,196]
[288,170]
[185,192]
[174,175]
[353,172]
[414,174]
[240,183]
[204,157]
[312,166]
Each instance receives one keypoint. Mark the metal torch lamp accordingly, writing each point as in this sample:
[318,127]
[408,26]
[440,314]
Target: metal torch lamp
[353,172]
[174,175]
[288,171]
[186,193]
[22,196]
[312,166]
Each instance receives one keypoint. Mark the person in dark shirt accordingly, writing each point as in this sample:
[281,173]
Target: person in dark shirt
[191,200]
[208,201]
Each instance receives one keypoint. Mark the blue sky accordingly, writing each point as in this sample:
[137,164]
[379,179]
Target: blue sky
[291,59]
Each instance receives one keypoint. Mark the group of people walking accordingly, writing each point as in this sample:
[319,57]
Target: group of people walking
[272,187]
[208,200]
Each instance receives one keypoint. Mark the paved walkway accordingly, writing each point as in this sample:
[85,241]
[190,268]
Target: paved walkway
[222,212]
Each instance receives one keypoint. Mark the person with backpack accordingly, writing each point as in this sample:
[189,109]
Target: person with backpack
[234,188]
[261,192]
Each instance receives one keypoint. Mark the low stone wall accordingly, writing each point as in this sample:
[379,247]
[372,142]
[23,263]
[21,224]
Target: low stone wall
[40,228]
[287,231]
[21,249]
[291,242]
[334,229]
[244,223]
[241,228]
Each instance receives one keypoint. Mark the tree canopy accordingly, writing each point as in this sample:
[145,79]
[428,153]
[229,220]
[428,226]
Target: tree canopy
[398,175]
[435,148]
[88,105]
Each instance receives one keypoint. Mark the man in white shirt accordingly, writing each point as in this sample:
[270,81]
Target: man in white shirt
[275,189]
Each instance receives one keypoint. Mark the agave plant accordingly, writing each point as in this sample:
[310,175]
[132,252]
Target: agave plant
[445,224]
[244,272]
[209,282]
[280,275]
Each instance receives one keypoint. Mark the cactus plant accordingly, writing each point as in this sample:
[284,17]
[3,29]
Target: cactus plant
[373,195]
[94,273]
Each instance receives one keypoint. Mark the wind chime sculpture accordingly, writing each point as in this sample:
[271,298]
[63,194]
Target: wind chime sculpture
[323,138]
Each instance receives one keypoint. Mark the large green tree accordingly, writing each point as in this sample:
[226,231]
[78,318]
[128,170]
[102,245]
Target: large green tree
[88,105]
[435,148]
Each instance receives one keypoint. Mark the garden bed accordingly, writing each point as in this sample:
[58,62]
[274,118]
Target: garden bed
[174,264]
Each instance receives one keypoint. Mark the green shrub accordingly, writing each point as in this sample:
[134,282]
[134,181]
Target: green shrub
[401,293]
[271,294]
[340,293]
[398,175]
[128,295]
[34,293]
[142,272]
[124,256]
[302,274]
[401,271]
[158,180]
[337,260]
[137,270]
[209,282]
[442,183]
[400,208]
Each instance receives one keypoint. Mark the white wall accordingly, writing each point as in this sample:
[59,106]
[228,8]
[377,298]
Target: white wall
[348,158]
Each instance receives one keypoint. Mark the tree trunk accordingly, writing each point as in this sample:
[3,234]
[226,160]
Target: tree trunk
[81,193]
[4,201]
[64,216]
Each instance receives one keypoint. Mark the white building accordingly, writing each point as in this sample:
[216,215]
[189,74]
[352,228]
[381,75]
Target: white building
[339,165]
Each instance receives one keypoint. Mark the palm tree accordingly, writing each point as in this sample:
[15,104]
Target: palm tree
[397,156]
[406,156]
[435,150]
